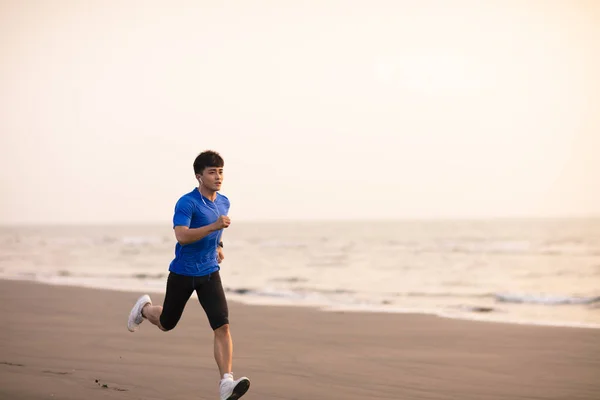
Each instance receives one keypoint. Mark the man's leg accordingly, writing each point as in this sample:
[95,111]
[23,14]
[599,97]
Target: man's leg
[152,314]
[223,349]
[212,298]
[166,317]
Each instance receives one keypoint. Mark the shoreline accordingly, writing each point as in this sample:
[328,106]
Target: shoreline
[488,317]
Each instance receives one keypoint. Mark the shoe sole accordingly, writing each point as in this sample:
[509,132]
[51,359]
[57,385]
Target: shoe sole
[131,325]
[240,389]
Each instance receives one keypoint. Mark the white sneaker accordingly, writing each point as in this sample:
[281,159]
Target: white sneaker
[135,316]
[233,390]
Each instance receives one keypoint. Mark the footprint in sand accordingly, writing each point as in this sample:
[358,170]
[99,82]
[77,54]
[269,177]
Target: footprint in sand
[105,386]
[11,364]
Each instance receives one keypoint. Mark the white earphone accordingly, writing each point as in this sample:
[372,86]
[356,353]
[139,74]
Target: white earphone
[218,238]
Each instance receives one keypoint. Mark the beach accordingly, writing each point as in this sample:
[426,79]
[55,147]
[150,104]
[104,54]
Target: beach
[401,198]
[63,342]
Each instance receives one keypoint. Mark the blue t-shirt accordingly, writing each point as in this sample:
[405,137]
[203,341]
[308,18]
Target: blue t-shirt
[198,258]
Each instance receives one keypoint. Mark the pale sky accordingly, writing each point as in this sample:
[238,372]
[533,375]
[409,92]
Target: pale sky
[321,109]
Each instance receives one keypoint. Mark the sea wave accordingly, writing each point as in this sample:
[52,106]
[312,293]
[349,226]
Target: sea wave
[452,246]
[550,300]
[298,288]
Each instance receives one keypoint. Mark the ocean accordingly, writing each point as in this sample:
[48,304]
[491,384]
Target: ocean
[543,272]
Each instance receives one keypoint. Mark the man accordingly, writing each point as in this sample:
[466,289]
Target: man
[200,216]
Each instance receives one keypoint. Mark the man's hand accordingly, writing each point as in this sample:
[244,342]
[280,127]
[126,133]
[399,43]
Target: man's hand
[220,255]
[222,222]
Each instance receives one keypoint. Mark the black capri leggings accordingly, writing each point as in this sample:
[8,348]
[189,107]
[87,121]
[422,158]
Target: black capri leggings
[210,294]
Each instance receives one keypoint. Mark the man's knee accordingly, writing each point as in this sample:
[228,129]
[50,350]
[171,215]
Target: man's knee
[222,330]
[165,325]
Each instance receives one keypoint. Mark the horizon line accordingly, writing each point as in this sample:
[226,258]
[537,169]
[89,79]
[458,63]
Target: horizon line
[314,220]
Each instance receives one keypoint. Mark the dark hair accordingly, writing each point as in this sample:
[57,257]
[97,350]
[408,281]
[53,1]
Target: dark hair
[207,159]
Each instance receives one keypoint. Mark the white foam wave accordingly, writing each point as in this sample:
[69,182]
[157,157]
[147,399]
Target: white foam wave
[544,299]
[282,244]
[140,240]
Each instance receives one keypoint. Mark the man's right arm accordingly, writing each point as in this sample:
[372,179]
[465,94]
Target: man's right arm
[186,235]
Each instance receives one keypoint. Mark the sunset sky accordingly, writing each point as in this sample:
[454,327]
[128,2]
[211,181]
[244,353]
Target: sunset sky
[321,109]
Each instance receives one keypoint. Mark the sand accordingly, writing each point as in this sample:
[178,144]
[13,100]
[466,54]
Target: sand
[57,341]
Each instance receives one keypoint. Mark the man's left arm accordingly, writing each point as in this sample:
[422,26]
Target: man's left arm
[220,255]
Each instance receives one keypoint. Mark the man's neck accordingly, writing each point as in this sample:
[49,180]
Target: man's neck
[209,194]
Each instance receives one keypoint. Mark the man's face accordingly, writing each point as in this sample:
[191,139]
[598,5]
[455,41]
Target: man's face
[211,178]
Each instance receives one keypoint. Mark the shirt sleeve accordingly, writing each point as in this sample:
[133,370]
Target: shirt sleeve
[225,205]
[183,212]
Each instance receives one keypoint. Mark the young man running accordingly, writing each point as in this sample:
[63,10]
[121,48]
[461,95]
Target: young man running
[200,217]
